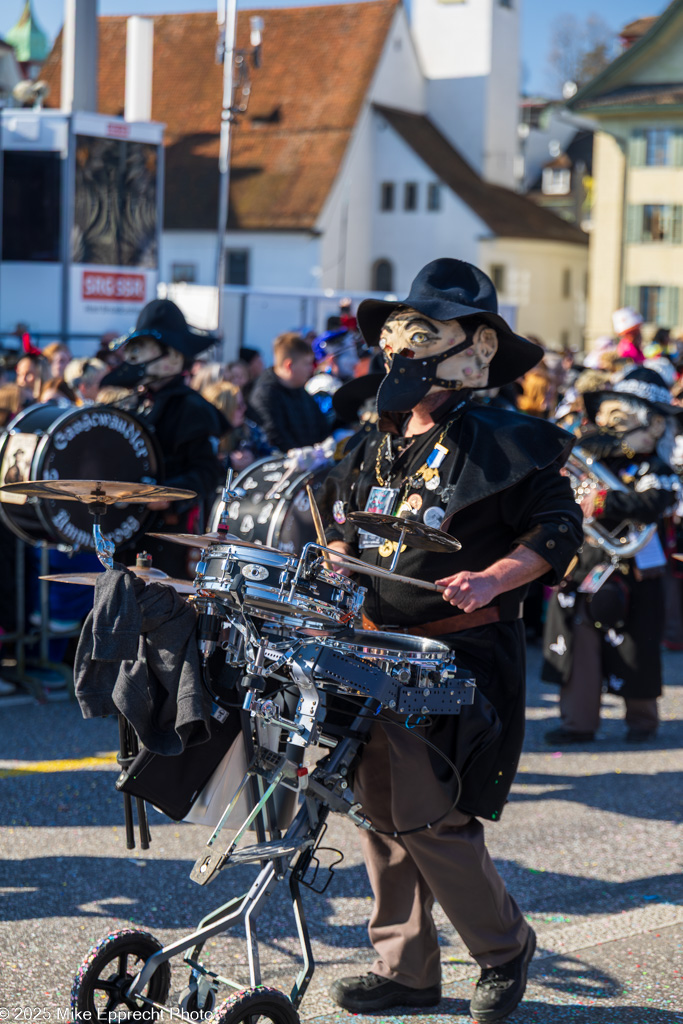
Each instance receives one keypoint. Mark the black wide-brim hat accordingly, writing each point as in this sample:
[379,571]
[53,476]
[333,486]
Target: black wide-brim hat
[449,289]
[643,385]
[348,400]
[164,322]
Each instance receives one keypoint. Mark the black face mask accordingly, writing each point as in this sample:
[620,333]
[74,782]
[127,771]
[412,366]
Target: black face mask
[408,381]
[128,375]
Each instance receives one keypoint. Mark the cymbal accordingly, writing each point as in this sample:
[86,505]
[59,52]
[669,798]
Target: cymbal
[89,579]
[418,534]
[101,492]
[205,540]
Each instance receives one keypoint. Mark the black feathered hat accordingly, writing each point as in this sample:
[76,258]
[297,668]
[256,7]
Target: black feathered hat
[643,385]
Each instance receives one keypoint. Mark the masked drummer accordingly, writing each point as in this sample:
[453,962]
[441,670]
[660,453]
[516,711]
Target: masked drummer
[186,427]
[605,622]
[490,477]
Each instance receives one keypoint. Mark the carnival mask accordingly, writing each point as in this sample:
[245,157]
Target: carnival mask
[424,355]
[632,422]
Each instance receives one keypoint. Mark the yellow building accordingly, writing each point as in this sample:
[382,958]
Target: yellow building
[636,245]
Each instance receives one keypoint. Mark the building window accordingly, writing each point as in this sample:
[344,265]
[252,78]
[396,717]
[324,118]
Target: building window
[564,340]
[237,266]
[566,283]
[183,272]
[410,196]
[658,143]
[497,275]
[383,276]
[556,181]
[654,223]
[386,196]
[434,196]
[656,147]
[657,304]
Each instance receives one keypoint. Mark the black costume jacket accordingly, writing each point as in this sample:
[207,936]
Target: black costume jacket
[289,417]
[499,485]
[186,429]
[628,610]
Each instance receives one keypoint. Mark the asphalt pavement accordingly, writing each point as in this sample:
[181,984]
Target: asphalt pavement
[590,846]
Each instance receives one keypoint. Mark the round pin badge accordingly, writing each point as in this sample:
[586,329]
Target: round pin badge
[386,548]
[415,502]
[338,512]
[434,516]
[433,482]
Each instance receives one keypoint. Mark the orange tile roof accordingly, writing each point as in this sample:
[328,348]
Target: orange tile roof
[317,64]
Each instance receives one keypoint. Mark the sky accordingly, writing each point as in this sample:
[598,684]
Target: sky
[536,32]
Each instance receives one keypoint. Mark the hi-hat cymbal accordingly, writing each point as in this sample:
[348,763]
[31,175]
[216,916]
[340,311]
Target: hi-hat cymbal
[205,540]
[418,534]
[89,579]
[100,492]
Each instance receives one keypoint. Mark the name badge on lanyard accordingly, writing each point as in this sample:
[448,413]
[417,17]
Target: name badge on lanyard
[380,499]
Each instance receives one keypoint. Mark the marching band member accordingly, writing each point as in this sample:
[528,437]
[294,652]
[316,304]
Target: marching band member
[490,477]
[604,623]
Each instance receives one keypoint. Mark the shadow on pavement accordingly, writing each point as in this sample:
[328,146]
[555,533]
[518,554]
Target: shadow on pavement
[624,793]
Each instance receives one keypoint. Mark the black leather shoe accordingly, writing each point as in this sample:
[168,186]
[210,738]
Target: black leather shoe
[640,735]
[562,737]
[500,989]
[371,992]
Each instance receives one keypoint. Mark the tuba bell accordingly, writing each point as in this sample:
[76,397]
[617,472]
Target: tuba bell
[586,472]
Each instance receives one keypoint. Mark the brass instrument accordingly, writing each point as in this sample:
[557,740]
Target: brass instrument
[586,472]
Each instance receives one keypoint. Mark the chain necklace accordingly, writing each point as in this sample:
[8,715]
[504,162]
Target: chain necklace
[386,443]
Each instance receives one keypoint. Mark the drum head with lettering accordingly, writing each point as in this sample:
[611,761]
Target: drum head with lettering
[90,443]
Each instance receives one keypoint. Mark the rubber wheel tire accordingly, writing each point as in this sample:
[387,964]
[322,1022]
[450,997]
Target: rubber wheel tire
[108,970]
[254,1004]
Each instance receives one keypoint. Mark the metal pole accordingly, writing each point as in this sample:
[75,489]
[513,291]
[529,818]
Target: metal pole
[224,151]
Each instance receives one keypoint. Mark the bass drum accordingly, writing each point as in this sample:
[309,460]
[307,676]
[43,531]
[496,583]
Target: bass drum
[275,510]
[97,442]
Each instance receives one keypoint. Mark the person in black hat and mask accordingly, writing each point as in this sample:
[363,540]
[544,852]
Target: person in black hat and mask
[490,477]
[185,426]
[612,635]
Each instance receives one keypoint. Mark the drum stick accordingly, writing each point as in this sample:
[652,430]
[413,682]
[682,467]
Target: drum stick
[319,529]
[371,570]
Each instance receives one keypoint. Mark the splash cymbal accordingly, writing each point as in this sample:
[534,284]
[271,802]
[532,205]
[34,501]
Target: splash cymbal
[89,579]
[418,534]
[100,492]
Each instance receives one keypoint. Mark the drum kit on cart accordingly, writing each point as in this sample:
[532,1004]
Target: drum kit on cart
[308,682]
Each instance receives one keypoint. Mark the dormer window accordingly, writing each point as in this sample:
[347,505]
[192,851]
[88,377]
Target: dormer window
[556,181]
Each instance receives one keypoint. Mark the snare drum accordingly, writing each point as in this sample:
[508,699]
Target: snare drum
[414,660]
[271,591]
[97,442]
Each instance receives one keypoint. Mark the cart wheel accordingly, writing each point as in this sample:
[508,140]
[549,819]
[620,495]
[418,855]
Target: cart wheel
[188,1003]
[254,1005]
[107,972]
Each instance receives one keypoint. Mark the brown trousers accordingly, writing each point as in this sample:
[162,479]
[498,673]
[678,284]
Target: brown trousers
[580,697]
[448,862]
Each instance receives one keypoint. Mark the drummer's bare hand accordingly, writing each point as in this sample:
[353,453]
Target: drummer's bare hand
[469,590]
[345,549]
[158,506]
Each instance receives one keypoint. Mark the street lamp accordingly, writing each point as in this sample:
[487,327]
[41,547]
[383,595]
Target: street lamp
[235,76]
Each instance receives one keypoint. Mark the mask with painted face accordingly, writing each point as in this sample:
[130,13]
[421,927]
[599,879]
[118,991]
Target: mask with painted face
[424,356]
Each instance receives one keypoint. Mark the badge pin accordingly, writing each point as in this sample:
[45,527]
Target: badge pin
[415,502]
[434,516]
[386,548]
[433,482]
[338,512]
